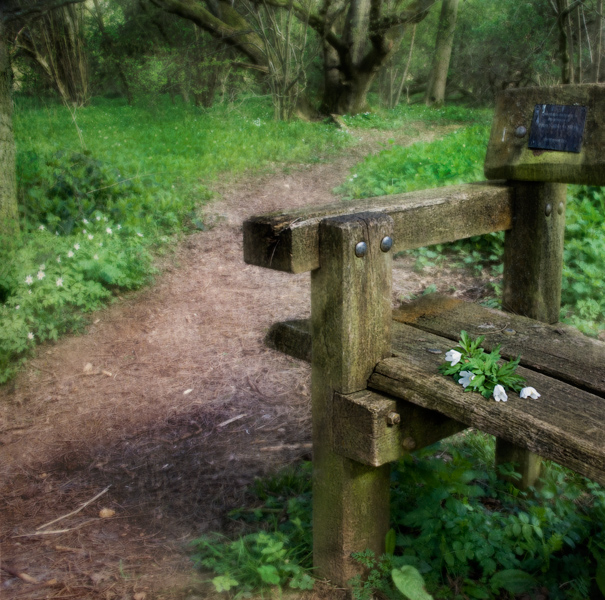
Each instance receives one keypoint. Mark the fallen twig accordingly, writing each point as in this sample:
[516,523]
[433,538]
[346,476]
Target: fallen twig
[73,512]
[55,531]
[231,420]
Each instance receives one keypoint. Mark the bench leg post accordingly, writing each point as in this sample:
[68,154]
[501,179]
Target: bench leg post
[533,265]
[351,320]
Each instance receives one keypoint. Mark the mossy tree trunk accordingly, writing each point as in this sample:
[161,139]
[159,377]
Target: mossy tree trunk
[358,37]
[9,224]
[435,93]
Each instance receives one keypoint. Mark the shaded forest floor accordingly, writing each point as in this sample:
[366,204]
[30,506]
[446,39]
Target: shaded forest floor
[172,401]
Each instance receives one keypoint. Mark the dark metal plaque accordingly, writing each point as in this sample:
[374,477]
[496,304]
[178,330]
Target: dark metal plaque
[557,127]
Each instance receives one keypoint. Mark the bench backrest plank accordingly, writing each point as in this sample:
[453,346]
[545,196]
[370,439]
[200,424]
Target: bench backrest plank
[289,241]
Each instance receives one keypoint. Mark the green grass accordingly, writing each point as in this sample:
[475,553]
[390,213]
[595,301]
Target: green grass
[404,115]
[178,145]
[469,534]
[105,188]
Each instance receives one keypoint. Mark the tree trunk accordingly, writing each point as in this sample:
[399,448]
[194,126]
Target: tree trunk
[435,93]
[345,88]
[107,44]
[9,224]
[596,65]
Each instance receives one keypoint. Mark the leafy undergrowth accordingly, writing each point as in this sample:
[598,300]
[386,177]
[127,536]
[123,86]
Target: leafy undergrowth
[105,189]
[458,158]
[467,533]
[464,531]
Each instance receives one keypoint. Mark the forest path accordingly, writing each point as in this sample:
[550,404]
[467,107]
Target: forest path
[172,399]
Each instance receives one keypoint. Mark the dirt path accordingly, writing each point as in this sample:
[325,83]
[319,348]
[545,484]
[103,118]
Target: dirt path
[172,400]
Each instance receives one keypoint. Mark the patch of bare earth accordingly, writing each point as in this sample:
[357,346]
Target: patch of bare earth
[169,406]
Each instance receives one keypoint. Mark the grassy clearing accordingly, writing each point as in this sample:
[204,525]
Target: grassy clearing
[104,189]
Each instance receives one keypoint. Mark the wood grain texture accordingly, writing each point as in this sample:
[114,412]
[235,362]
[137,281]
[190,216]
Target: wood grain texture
[559,351]
[350,327]
[566,424]
[289,241]
[533,251]
[508,156]
[362,431]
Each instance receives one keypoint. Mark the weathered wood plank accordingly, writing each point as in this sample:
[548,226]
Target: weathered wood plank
[533,251]
[292,338]
[365,431]
[509,157]
[350,328]
[289,241]
[570,420]
[533,270]
[566,424]
[558,350]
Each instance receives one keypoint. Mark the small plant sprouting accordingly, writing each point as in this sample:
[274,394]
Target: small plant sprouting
[478,371]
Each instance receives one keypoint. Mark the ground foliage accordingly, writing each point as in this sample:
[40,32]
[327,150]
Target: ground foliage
[100,195]
[469,534]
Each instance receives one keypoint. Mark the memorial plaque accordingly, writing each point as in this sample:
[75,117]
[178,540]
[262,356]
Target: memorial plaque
[557,127]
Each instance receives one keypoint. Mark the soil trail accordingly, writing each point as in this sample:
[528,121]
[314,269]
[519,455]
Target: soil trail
[172,399]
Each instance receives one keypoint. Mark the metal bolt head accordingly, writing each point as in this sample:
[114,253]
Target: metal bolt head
[361,249]
[408,443]
[561,208]
[393,418]
[521,131]
[386,244]
[548,209]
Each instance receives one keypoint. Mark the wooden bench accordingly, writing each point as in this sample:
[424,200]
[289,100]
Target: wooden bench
[376,389]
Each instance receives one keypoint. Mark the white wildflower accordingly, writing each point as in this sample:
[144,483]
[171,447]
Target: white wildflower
[42,267]
[453,357]
[29,280]
[83,231]
[466,378]
[60,282]
[41,228]
[109,231]
[96,257]
[139,234]
[58,259]
[70,254]
[30,336]
[17,307]
[77,246]
[85,221]
[119,227]
[90,236]
[98,218]
[500,394]
[41,275]
[529,392]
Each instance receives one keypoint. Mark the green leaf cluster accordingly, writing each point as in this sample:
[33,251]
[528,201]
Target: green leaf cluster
[278,553]
[487,369]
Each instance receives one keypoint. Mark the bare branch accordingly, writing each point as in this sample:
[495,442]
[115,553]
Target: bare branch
[34,12]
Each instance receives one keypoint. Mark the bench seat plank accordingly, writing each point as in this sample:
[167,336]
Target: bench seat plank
[289,241]
[566,424]
[557,350]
